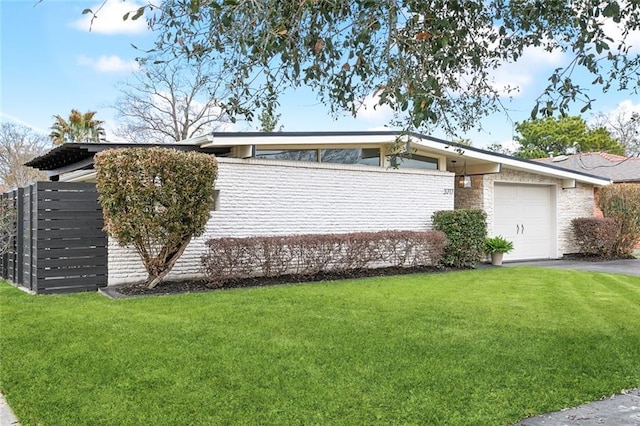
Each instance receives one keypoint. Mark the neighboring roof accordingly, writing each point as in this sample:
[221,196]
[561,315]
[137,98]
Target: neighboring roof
[71,156]
[615,167]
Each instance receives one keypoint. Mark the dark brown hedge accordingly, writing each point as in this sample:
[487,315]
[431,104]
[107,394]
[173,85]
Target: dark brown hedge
[305,255]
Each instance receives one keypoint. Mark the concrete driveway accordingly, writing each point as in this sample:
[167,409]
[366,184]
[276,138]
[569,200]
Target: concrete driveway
[626,267]
[618,410]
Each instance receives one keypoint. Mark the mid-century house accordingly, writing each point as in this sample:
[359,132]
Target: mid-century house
[337,182]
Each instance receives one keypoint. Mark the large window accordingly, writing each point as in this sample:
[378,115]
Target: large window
[288,154]
[416,161]
[368,156]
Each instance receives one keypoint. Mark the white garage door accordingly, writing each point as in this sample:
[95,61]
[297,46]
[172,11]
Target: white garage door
[522,214]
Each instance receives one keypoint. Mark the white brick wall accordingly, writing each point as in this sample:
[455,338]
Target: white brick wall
[572,203]
[263,197]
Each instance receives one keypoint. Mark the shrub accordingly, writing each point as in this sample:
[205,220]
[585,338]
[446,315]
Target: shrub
[305,255]
[497,245]
[595,236]
[155,200]
[621,202]
[466,231]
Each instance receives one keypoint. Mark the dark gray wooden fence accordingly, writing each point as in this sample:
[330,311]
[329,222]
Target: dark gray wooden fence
[59,245]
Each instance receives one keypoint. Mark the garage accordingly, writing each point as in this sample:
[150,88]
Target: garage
[523,214]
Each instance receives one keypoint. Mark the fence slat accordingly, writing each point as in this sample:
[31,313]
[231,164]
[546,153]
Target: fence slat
[71,281]
[54,253]
[75,205]
[71,243]
[70,224]
[76,262]
[70,233]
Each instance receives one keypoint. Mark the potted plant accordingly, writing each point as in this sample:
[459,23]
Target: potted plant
[497,247]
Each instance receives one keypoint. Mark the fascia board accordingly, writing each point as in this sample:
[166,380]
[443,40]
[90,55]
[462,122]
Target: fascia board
[276,139]
[78,176]
[198,140]
[509,162]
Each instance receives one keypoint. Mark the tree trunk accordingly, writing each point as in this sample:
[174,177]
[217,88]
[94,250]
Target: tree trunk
[153,281]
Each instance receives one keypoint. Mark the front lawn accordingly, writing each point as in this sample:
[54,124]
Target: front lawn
[476,347]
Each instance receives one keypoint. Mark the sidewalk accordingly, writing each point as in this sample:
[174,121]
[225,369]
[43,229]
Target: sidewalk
[7,418]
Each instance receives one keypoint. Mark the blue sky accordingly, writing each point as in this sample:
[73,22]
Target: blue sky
[51,63]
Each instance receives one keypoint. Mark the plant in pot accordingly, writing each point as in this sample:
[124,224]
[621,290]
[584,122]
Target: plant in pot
[497,247]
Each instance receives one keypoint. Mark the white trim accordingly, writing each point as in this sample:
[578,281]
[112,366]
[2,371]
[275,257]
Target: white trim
[512,163]
[289,140]
[79,176]
[198,140]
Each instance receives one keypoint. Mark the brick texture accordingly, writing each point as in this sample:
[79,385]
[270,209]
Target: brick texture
[263,197]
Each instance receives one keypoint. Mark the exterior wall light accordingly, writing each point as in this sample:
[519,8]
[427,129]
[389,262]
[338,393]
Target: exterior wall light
[464,181]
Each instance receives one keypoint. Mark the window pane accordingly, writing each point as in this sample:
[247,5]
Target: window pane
[289,154]
[351,156]
[418,162]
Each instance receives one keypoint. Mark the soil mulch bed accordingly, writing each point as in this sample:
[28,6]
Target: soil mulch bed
[193,286]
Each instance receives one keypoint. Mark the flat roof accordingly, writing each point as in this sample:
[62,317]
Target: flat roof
[219,143]
[70,153]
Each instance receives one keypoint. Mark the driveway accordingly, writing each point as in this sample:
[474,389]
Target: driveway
[626,267]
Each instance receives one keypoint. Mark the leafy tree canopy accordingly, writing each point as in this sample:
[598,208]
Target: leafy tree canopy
[565,135]
[430,61]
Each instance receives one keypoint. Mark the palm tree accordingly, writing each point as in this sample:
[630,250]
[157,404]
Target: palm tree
[80,128]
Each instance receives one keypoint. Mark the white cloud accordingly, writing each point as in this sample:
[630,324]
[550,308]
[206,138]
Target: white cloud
[8,117]
[535,61]
[108,18]
[628,105]
[110,126]
[615,31]
[108,64]
[623,111]
[510,145]
[371,111]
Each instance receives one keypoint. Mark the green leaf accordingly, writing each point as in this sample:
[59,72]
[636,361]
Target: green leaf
[612,10]
[138,14]
[84,12]
[534,112]
[125,16]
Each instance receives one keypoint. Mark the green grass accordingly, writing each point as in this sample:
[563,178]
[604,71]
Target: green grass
[477,347]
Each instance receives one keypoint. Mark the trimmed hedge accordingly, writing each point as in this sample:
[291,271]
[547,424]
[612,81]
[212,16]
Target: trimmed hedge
[304,255]
[466,231]
[621,202]
[594,236]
